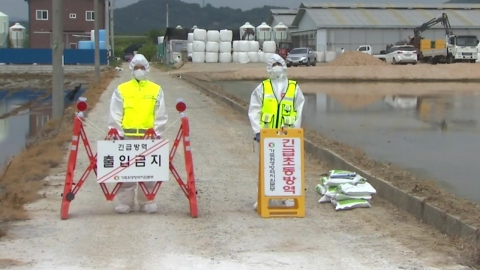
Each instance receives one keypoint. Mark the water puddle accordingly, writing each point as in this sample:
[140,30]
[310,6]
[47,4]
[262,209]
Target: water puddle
[432,136]
[22,114]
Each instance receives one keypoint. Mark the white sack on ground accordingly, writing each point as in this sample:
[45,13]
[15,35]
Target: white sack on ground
[358,189]
[338,181]
[341,174]
[350,204]
[344,197]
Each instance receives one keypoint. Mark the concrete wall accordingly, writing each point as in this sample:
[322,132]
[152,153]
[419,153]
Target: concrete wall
[44,56]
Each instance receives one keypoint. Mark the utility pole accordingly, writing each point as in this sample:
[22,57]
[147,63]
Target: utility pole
[167,15]
[96,18]
[112,32]
[57,60]
[107,25]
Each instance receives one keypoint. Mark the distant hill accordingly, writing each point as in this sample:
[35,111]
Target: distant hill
[145,15]
[463,2]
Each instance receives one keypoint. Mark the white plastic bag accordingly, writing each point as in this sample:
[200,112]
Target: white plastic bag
[341,174]
[325,199]
[343,197]
[333,182]
[357,190]
[350,204]
[327,192]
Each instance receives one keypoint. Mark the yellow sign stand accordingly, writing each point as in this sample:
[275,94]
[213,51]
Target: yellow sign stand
[281,172]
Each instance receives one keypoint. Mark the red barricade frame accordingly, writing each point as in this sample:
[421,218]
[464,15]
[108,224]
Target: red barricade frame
[71,188]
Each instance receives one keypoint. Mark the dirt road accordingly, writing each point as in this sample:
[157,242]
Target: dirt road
[228,234]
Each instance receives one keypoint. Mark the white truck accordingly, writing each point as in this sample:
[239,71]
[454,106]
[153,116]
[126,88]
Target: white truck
[458,49]
[369,50]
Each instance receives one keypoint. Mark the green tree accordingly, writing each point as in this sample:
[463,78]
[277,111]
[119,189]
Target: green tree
[152,13]
[149,50]
[153,34]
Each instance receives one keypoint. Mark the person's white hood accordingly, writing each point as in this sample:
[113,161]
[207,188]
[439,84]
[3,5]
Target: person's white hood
[139,74]
[139,59]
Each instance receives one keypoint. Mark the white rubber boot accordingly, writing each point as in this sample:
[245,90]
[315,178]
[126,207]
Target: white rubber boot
[123,209]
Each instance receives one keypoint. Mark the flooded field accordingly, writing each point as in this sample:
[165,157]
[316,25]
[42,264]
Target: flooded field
[431,136]
[22,113]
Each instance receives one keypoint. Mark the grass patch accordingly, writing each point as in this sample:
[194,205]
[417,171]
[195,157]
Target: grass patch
[22,178]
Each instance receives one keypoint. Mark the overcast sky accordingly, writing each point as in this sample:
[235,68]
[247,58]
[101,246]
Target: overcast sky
[18,8]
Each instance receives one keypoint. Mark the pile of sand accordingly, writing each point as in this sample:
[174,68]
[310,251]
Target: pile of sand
[356,58]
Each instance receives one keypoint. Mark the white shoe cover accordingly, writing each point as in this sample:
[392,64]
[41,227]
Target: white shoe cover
[255,206]
[123,209]
[149,208]
[289,203]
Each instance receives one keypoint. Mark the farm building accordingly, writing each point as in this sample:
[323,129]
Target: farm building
[328,27]
[285,16]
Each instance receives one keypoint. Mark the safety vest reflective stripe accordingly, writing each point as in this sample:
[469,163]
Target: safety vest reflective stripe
[275,113]
[139,99]
[135,131]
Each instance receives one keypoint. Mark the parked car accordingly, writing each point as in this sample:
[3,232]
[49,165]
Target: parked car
[367,49]
[129,52]
[405,54]
[300,57]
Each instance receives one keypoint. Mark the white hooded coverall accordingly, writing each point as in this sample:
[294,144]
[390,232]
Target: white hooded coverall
[125,198]
[279,84]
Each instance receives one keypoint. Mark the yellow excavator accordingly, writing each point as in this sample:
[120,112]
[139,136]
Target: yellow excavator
[452,49]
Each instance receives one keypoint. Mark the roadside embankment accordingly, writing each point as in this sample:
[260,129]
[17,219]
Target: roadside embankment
[350,66]
[22,178]
[389,73]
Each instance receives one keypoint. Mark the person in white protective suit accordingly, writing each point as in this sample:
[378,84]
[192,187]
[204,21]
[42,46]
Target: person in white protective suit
[136,106]
[277,102]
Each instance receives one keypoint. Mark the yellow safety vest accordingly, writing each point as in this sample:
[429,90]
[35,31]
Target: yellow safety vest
[277,114]
[139,99]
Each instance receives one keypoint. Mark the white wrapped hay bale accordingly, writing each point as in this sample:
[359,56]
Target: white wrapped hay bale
[243,57]
[320,57]
[198,57]
[269,46]
[267,56]
[243,46]
[330,56]
[253,46]
[253,56]
[225,46]
[235,46]
[211,57]
[198,46]
[212,46]
[213,35]
[235,57]
[189,47]
[226,35]
[225,57]
[200,34]
[190,38]
[261,56]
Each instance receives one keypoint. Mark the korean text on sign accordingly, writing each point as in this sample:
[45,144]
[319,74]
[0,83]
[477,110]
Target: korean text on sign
[288,165]
[129,161]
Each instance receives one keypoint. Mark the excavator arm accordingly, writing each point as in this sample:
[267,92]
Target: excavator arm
[247,32]
[443,19]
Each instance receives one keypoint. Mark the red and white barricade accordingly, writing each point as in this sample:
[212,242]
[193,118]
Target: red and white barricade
[110,174]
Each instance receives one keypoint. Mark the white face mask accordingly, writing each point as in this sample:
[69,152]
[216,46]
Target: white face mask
[277,72]
[140,74]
